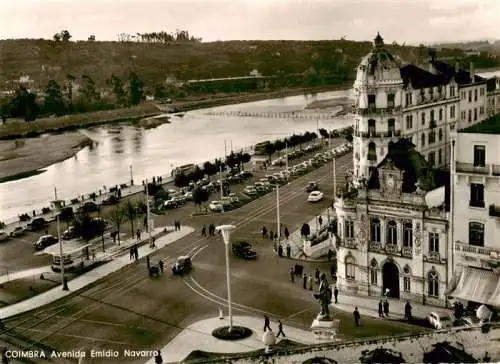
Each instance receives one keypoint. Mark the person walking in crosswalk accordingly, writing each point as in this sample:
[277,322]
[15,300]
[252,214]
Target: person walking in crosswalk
[280,329]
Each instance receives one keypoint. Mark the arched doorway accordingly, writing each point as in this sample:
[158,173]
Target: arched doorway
[390,279]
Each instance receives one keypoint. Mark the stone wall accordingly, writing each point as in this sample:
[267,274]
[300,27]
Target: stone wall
[412,347]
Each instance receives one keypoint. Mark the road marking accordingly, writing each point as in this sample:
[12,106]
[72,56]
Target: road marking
[88,338]
[199,251]
[298,313]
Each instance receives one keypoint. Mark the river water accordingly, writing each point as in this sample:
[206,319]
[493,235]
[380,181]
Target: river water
[194,138]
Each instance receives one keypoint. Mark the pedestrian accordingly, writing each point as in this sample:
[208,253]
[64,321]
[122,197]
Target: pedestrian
[357,316]
[311,283]
[330,254]
[271,235]
[287,233]
[386,308]
[138,234]
[380,309]
[136,253]
[179,225]
[304,281]
[113,236]
[93,254]
[153,239]
[161,266]
[316,275]
[292,274]
[34,213]
[267,323]
[158,358]
[320,221]
[204,231]
[280,329]
[276,236]
[408,311]
[336,294]
[132,254]
[333,272]
[288,251]
[264,232]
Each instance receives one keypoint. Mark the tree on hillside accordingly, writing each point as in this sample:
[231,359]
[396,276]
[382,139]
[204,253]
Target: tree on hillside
[54,101]
[118,90]
[136,89]
[65,35]
[91,38]
[24,105]
[88,90]
[70,79]
[56,37]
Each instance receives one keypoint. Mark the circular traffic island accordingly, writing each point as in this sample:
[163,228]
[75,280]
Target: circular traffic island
[236,333]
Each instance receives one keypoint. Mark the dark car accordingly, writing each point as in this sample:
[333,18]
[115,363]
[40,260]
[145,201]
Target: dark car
[37,224]
[182,266]
[111,200]
[312,186]
[88,207]
[44,241]
[244,250]
[18,231]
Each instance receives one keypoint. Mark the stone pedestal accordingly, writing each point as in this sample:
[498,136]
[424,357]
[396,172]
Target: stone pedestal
[325,329]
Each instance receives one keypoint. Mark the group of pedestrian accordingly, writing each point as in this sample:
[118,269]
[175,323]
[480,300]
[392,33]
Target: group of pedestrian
[177,225]
[134,252]
[383,308]
[211,231]
[273,235]
[267,326]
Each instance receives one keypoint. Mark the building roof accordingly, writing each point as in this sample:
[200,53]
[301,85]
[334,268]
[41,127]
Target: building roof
[420,78]
[491,84]
[488,126]
[379,60]
[461,77]
[403,156]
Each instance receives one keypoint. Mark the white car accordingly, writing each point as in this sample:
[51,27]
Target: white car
[440,320]
[226,201]
[250,190]
[234,197]
[315,196]
[216,206]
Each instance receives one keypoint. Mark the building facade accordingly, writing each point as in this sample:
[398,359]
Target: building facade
[476,214]
[493,95]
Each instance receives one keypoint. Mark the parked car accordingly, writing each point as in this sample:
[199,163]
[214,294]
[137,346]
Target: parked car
[181,200]
[170,204]
[439,320]
[234,197]
[226,201]
[244,250]
[315,196]
[18,231]
[250,190]
[182,265]
[44,241]
[3,236]
[312,186]
[246,174]
[37,224]
[466,321]
[188,196]
[69,233]
[216,206]
[88,206]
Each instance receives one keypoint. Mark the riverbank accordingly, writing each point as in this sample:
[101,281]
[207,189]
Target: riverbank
[26,157]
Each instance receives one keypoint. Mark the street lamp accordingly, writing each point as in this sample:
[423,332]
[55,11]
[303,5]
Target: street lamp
[61,258]
[149,225]
[226,233]
[278,222]
[131,176]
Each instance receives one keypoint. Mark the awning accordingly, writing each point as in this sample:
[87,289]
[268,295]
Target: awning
[476,285]
[453,283]
[495,297]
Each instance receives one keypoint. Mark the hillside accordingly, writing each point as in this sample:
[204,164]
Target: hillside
[43,60]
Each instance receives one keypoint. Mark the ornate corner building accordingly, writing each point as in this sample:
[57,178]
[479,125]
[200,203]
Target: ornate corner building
[393,217]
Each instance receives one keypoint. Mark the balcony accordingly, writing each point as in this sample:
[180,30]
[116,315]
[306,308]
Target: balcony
[391,248]
[371,110]
[407,251]
[350,243]
[494,211]
[434,257]
[375,246]
[372,134]
[487,170]
[477,251]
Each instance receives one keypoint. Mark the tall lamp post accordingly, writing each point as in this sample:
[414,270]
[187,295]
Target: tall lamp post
[148,217]
[61,260]
[226,233]
[278,222]
[131,176]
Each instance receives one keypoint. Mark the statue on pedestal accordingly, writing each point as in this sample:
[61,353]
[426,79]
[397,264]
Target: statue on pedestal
[324,297]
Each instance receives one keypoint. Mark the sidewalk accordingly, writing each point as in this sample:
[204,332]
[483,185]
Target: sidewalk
[368,306]
[93,275]
[24,273]
[198,336]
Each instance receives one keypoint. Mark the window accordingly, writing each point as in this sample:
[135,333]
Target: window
[392,233]
[423,118]
[440,90]
[339,227]
[390,100]
[432,115]
[407,234]
[440,114]
[452,112]
[422,95]
[431,137]
[440,156]
[434,242]
[371,127]
[440,134]
[373,272]
[372,153]
[470,116]
[476,195]
[432,159]
[371,101]
[391,126]
[476,233]
[475,94]
[481,110]
[350,268]
[406,279]
[423,140]
[409,121]
[475,114]
[481,91]
[409,98]
[433,283]
[463,115]
[470,95]
[462,95]
[452,91]
[349,229]
[375,230]
[479,155]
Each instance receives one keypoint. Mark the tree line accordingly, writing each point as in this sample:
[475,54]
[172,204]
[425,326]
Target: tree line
[59,99]
[162,36]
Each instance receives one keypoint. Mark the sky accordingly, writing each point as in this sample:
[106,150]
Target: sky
[410,21]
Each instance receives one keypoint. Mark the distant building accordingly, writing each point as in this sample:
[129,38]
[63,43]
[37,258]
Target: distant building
[493,95]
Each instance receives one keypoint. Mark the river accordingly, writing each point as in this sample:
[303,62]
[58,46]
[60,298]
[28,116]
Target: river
[194,138]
